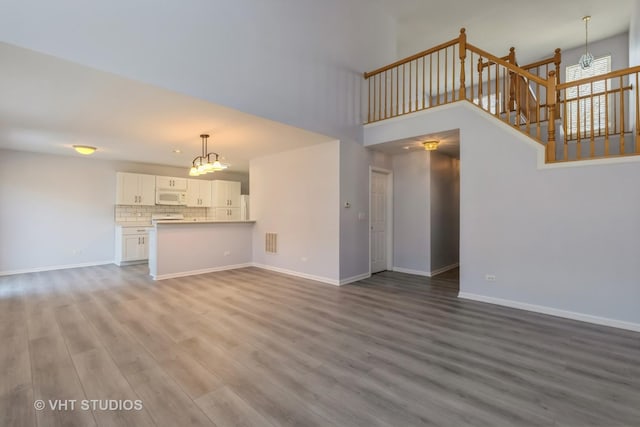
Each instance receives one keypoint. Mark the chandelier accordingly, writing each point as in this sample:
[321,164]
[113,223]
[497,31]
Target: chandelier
[203,164]
[586,59]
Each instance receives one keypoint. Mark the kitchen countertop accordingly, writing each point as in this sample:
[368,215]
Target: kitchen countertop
[134,224]
[204,221]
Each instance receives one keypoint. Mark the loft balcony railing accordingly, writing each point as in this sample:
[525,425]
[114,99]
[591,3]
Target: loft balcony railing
[585,119]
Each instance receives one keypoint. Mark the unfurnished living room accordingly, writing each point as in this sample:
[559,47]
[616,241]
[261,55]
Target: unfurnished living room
[332,213]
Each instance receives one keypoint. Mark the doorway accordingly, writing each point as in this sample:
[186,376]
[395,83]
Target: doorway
[380,220]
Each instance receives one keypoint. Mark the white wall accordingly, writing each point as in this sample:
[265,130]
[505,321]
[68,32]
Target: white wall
[295,194]
[411,212]
[59,210]
[634,35]
[354,221]
[444,204]
[616,46]
[561,240]
[295,61]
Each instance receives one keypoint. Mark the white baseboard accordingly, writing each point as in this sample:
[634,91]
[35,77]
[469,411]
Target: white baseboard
[354,278]
[54,267]
[604,321]
[409,271]
[201,271]
[443,269]
[298,274]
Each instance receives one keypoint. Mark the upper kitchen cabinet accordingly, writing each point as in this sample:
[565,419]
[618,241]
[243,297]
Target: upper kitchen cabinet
[225,194]
[171,183]
[135,189]
[198,193]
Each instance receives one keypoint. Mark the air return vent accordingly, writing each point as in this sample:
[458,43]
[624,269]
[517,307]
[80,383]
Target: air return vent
[271,243]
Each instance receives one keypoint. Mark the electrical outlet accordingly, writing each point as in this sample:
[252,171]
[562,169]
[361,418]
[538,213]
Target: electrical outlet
[490,277]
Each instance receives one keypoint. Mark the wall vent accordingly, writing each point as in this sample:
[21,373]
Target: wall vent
[271,243]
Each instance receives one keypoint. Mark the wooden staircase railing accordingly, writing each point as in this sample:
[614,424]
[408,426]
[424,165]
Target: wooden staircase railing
[530,98]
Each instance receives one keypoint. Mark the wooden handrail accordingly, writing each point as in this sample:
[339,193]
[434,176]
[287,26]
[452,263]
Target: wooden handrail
[542,62]
[413,57]
[507,65]
[611,75]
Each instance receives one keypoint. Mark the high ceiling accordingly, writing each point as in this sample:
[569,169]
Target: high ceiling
[48,104]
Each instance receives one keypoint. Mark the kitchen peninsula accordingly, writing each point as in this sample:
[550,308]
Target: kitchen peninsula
[185,248]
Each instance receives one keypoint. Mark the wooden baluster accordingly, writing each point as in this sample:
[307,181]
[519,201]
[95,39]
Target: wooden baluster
[489,89]
[430,80]
[453,73]
[385,94]
[538,125]
[551,105]
[592,142]
[397,91]
[606,117]
[480,92]
[446,89]
[557,58]
[424,88]
[637,124]
[462,53]
[528,106]
[369,103]
[496,97]
[622,150]
[472,89]
[410,92]
[565,150]
[438,78]
[417,85]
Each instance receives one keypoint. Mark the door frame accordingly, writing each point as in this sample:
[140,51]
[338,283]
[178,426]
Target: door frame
[389,208]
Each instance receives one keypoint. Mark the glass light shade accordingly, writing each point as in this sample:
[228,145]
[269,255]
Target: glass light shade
[208,167]
[217,166]
[194,171]
[431,145]
[84,149]
[585,61]
[201,170]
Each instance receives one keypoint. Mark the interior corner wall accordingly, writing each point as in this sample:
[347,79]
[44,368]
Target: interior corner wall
[411,213]
[444,205]
[354,220]
[295,194]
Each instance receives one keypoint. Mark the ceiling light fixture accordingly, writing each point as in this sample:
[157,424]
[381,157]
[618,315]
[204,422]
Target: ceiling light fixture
[586,59]
[430,145]
[84,149]
[203,164]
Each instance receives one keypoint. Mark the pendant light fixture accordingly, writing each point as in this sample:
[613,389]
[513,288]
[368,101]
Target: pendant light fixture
[586,59]
[203,164]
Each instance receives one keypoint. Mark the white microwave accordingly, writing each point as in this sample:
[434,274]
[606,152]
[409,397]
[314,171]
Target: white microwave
[167,197]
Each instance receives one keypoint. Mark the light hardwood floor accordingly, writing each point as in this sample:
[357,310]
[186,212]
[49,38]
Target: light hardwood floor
[255,348]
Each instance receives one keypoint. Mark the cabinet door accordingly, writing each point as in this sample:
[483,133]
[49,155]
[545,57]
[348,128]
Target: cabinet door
[131,247]
[147,190]
[205,194]
[233,193]
[193,193]
[179,184]
[218,193]
[143,247]
[127,188]
[234,214]
[171,183]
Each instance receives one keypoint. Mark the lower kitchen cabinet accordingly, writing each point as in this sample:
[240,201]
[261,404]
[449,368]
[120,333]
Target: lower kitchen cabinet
[227,214]
[132,244]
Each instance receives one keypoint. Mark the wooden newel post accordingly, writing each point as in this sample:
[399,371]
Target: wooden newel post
[551,106]
[462,49]
[512,80]
[557,59]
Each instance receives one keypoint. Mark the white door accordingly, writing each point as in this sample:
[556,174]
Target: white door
[378,221]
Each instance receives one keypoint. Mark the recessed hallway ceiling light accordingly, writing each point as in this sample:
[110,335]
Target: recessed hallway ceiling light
[406,147]
[430,145]
[84,149]
[177,151]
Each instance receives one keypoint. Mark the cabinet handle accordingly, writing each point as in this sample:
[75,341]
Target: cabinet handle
[143,240]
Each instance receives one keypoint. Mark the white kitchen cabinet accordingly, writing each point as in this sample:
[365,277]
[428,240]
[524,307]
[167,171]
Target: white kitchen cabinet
[225,194]
[171,183]
[198,193]
[135,189]
[227,214]
[132,244]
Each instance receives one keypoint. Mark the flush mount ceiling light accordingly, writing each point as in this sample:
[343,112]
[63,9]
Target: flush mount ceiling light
[203,164]
[430,145]
[84,149]
[586,59]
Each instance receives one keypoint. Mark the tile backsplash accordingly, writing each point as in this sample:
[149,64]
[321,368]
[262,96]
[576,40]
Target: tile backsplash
[125,213]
